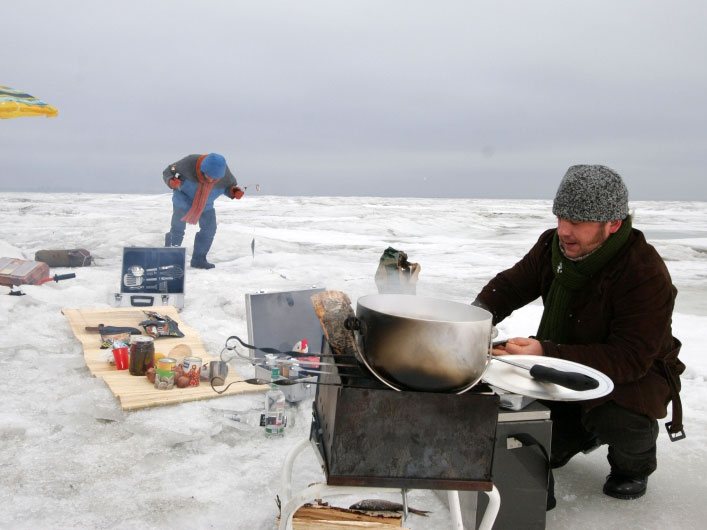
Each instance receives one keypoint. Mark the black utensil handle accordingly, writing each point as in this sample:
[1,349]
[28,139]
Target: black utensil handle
[572,380]
[58,277]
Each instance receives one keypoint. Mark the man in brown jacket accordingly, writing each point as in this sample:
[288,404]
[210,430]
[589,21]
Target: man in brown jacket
[608,301]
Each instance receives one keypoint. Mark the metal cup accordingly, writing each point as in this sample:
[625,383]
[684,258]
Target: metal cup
[215,371]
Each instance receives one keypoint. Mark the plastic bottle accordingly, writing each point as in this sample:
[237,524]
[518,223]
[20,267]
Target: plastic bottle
[274,407]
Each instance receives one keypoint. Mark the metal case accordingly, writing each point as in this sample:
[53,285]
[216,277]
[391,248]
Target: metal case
[151,276]
[520,468]
[278,320]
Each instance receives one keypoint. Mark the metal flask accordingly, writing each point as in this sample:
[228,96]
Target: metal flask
[423,344]
[215,372]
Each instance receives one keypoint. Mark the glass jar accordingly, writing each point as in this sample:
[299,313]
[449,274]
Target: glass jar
[142,351]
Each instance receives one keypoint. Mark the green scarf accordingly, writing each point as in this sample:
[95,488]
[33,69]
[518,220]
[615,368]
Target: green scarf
[570,277]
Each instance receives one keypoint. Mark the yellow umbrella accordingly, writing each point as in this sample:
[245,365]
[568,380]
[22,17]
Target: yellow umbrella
[15,104]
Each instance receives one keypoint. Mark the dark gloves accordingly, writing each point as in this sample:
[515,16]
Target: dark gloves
[236,192]
[174,183]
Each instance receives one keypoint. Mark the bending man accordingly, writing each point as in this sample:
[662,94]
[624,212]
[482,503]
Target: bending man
[196,181]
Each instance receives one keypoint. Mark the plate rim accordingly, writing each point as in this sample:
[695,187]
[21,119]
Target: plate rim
[552,362]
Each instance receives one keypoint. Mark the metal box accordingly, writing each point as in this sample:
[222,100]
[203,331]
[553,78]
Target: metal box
[520,468]
[279,320]
[520,472]
[151,277]
[366,435]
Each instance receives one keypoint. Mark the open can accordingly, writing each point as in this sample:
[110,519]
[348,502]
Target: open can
[192,369]
[164,373]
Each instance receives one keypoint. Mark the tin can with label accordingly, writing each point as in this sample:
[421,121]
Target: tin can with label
[142,350]
[192,369]
[164,373]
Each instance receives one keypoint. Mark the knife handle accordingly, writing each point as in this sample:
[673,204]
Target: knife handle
[572,380]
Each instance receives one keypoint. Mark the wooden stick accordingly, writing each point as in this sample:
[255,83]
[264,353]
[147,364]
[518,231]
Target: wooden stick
[333,308]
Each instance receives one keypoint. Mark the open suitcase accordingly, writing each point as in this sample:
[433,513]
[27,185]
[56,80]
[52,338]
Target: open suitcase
[279,320]
[151,276]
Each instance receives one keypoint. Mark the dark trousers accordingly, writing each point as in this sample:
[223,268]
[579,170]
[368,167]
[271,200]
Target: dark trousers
[204,237]
[631,437]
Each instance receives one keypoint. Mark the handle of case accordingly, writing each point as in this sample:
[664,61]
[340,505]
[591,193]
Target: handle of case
[141,301]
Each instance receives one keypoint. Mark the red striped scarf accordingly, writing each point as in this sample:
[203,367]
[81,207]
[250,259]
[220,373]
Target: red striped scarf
[206,184]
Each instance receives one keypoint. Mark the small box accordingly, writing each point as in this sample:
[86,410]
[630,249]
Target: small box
[151,277]
[15,272]
[279,320]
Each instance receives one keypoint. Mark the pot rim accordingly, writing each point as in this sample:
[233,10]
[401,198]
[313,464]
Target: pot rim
[478,313]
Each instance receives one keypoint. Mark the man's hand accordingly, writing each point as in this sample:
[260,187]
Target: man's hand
[519,346]
[236,192]
[174,183]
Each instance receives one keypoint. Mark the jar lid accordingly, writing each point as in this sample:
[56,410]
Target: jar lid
[140,338]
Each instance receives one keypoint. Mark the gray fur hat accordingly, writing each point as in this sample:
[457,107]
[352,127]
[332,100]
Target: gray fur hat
[591,193]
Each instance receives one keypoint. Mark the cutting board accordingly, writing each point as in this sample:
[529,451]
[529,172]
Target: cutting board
[136,392]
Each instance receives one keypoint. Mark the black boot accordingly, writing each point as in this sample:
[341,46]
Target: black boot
[171,241]
[201,263]
[622,487]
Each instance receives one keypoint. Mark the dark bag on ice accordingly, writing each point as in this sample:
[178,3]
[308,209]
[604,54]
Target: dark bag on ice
[672,367]
[75,257]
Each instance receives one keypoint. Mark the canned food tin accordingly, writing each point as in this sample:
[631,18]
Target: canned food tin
[192,369]
[164,373]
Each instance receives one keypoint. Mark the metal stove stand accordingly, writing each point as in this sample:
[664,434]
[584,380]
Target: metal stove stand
[291,503]
[369,438]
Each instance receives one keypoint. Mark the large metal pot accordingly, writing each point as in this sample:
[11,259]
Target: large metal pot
[424,344]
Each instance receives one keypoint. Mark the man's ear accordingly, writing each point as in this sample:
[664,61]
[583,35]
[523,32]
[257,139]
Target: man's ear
[614,226]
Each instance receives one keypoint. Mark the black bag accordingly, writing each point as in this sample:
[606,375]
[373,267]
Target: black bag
[75,257]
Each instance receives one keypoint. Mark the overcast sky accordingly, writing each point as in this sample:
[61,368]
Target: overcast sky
[386,98]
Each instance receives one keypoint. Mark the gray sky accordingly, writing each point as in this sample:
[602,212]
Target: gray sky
[387,98]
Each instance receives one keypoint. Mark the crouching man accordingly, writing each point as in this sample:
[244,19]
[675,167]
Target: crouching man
[608,300]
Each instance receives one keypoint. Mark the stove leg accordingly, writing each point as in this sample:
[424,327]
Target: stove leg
[404,495]
[455,509]
[491,510]
[286,478]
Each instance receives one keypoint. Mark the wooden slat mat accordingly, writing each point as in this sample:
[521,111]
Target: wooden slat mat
[136,392]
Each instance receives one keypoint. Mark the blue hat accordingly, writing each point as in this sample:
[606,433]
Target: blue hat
[214,165]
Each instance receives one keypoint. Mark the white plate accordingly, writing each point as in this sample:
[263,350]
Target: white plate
[519,381]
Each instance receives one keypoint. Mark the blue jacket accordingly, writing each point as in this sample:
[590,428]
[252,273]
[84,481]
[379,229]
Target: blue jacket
[185,169]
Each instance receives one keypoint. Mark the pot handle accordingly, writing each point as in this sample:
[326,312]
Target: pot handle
[353,324]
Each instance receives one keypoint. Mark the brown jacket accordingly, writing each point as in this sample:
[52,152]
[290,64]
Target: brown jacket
[620,323]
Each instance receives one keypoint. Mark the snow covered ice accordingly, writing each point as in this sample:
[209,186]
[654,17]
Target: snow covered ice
[72,459]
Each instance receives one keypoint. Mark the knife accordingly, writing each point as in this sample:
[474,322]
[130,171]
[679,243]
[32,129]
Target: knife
[545,374]
[113,330]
